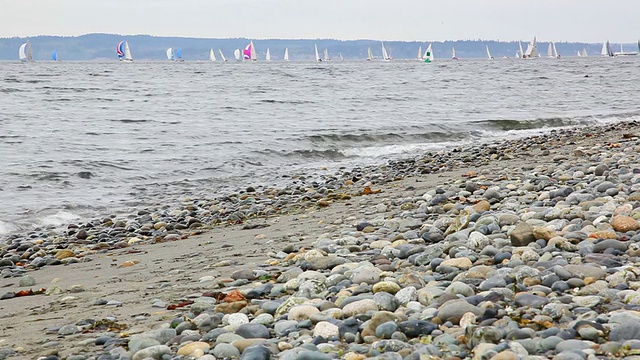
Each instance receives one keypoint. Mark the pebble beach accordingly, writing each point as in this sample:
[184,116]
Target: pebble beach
[521,249]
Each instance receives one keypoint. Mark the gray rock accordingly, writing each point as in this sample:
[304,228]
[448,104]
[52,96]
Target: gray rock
[571,345]
[625,331]
[453,310]
[137,343]
[27,281]
[153,352]
[531,300]
[253,331]
[68,330]
[256,352]
[225,350]
[386,301]
[385,330]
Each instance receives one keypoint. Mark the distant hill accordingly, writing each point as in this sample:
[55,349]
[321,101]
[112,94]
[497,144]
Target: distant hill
[146,47]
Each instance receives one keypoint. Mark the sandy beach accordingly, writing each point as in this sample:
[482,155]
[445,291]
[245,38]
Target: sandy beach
[386,219]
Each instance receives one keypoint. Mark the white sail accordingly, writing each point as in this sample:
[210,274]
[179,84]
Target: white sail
[555,51]
[579,54]
[341,58]
[317,55]
[550,51]
[604,52]
[521,53]
[170,54]
[420,53]
[222,55]
[286,54]
[385,55]
[212,55]
[532,50]
[429,53]
[453,53]
[254,55]
[489,53]
[236,53]
[584,52]
[268,55]
[326,55]
[22,52]
[369,54]
[127,52]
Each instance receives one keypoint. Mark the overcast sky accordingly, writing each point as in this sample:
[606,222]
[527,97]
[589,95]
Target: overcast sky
[422,20]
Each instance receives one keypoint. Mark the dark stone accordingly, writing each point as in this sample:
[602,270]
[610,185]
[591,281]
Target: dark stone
[256,352]
[416,328]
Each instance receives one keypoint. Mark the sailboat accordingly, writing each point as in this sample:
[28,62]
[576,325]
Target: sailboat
[622,52]
[249,52]
[606,49]
[25,53]
[420,53]
[555,51]
[236,53]
[520,51]
[489,53]
[341,58]
[170,55]
[369,55]
[54,55]
[268,55]
[453,54]
[286,54]
[326,55]
[550,51]
[385,55]
[428,54]
[212,55]
[584,52]
[318,59]
[123,51]
[179,55]
[532,50]
[222,55]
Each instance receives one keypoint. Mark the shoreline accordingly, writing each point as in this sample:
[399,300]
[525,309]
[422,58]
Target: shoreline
[132,271]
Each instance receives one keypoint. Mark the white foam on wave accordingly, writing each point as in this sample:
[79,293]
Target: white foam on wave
[59,218]
[394,150]
[6,228]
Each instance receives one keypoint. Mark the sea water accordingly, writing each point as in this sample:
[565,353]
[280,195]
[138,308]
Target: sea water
[86,139]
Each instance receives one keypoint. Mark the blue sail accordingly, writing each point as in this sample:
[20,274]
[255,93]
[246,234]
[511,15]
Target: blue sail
[54,56]
[179,54]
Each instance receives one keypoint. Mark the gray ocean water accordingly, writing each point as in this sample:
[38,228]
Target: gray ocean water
[79,140]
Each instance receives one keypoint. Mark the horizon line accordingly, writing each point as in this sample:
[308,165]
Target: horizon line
[297,39]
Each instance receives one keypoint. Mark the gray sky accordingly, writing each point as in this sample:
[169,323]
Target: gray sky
[422,20]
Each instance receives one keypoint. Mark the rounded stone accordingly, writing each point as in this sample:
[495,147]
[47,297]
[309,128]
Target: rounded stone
[326,330]
[253,331]
[226,351]
[191,348]
[386,286]
[302,312]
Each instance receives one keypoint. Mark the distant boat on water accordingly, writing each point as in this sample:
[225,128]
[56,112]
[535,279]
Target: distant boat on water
[123,51]
[326,55]
[428,54]
[54,55]
[488,53]
[622,52]
[286,54]
[341,58]
[179,55]
[25,53]
[520,52]
[268,55]
[236,54]
[249,52]
[385,54]
[532,50]
[584,51]
[420,53]
[606,49]
[222,55]
[552,51]
[369,55]
[453,54]
[212,55]
[318,59]
[170,54]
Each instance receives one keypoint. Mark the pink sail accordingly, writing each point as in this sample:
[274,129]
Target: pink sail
[246,53]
